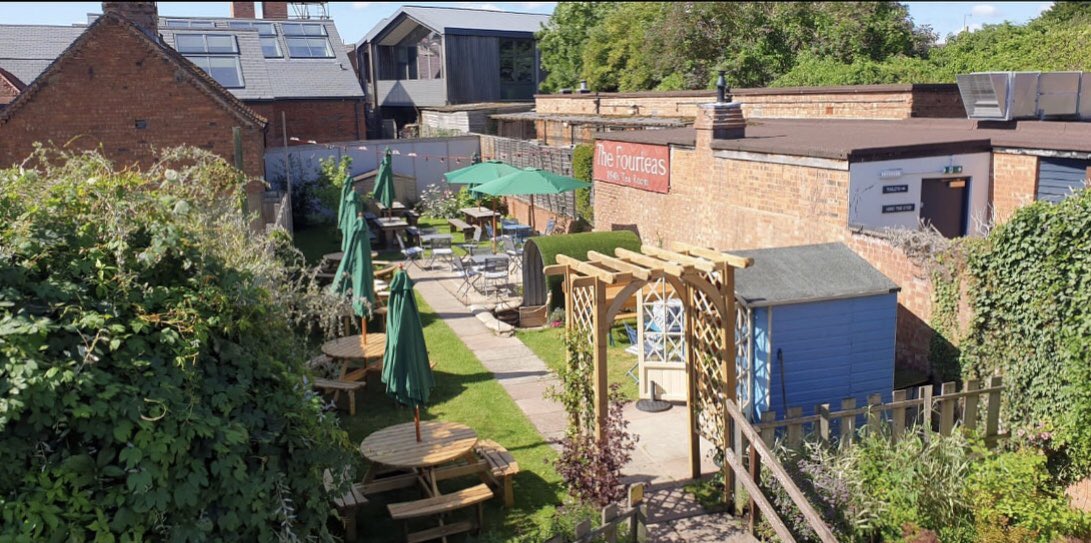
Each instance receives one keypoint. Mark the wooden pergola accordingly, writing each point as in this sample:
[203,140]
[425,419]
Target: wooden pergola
[705,280]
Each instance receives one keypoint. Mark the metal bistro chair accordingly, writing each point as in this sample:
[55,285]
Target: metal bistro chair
[441,248]
[470,247]
[469,274]
[490,232]
[495,273]
[412,253]
[515,254]
[550,225]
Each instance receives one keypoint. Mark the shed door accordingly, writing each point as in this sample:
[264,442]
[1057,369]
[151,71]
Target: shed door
[662,361]
[1059,177]
[943,205]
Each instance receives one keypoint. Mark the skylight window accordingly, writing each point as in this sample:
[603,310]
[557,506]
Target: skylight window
[267,33]
[217,54]
[309,47]
[188,23]
[303,29]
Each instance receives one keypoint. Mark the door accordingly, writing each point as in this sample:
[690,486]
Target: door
[943,205]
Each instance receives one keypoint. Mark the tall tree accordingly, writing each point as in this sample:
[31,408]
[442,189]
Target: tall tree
[616,56]
[562,41]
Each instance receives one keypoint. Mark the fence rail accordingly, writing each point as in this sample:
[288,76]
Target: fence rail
[529,154]
[636,516]
[944,412]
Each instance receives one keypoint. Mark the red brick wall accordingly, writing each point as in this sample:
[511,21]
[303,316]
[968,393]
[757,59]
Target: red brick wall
[274,10]
[323,121]
[8,91]
[97,96]
[1015,183]
[734,204]
[242,10]
[521,211]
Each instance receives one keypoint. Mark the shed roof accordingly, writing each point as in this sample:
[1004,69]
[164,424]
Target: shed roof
[807,273]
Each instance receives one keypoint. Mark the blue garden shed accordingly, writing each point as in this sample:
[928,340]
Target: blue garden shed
[818,324]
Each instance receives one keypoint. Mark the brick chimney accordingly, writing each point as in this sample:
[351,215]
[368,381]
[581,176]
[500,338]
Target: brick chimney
[719,121]
[145,15]
[242,10]
[274,10]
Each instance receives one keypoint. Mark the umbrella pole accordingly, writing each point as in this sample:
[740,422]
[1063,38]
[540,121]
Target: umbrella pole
[416,420]
[494,232]
[530,219]
[363,328]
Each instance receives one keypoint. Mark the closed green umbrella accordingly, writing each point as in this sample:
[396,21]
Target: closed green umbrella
[406,371]
[384,183]
[346,192]
[482,172]
[355,273]
[352,206]
[528,182]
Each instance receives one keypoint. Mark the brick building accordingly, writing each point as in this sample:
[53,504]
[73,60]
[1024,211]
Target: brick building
[759,183]
[117,88]
[291,70]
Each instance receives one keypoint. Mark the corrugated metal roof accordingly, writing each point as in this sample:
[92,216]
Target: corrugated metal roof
[807,273]
[26,50]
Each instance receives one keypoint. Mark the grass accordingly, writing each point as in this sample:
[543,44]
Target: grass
[467,393]
[317,240]
[548,344]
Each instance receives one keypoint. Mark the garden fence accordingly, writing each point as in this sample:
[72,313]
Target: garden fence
[636,516]
[529,154]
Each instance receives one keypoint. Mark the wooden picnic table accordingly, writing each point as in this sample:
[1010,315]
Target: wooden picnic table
[478,215]
[349,348]
[390,228]
[397,206]
[441,443]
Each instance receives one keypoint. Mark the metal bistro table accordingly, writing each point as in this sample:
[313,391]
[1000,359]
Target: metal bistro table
[478,215]
[427,238]
[397,447]
[517,230]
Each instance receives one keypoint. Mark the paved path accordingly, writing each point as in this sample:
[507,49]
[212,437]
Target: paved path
[661,457]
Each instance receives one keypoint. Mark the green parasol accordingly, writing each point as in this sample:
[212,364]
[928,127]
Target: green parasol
[406,371]
[384,183]
[528,182]
[346,192]
[351,208]
[482,172]
[355,272]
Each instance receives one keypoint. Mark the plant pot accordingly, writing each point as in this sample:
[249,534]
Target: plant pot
[533,316]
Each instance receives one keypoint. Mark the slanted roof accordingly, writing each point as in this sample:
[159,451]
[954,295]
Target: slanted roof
[464,21]
[26,50]
[198,77]
[807,273]
[606,120]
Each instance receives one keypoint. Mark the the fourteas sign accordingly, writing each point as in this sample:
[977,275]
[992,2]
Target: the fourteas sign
[646,167]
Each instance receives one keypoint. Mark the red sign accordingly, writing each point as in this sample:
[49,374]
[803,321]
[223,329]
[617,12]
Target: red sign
[645,167]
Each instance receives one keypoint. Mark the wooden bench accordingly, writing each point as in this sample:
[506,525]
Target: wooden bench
[411,217]
[347,505]
[502,467]
[439,505]
[459,225]
[335,386]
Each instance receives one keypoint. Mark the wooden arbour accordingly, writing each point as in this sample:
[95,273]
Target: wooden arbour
[705,280]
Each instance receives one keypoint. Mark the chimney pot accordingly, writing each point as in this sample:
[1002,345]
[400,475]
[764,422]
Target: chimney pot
[243,10]
[274,10]
[724,120]
[583,87]
[145,15]
[721,88]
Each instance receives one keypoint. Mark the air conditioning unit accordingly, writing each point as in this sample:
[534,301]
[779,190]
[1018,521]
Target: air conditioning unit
[1006,96]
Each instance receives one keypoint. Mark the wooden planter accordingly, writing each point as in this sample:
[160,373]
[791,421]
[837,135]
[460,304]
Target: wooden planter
[533,316]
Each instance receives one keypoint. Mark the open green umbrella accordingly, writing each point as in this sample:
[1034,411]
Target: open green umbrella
[384,183]
[355,273]
[406,371]
[482,172]
[346,192]
[528,182]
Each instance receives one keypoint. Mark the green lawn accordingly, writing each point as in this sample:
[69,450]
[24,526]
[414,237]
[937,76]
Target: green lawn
[548,344]
[317,240]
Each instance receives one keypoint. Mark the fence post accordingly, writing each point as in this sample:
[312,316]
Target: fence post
[582,529]
[795,429]
[755,475]
[926,411]
[874,414]
[947,408]
[992,421]
[823,411]
[768,433]
[898,416]
[609,529]
[638,523]
[848,422]
[969,409]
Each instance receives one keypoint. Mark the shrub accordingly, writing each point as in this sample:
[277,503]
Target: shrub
[583,163]
[152,384]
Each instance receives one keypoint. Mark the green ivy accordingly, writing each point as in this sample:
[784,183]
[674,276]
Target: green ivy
[151,379]
[583,163]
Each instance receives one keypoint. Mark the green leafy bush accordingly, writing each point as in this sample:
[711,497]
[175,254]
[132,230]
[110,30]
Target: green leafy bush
[583,164]
[151,385]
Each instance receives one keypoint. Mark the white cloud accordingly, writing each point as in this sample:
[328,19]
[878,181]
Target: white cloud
[361,5]
[985,10]
[974,27]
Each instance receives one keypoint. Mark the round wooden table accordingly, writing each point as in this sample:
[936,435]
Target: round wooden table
[349,347]
[397,446]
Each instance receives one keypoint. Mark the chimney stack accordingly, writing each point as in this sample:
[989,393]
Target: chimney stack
[145,15]
[243,10]
[583,87]
[274,10]
[719,121]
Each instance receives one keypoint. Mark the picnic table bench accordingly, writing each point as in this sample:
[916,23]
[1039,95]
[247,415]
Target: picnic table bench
[439,505]
[336,386]
[502,467]
[459,225]
[346,505]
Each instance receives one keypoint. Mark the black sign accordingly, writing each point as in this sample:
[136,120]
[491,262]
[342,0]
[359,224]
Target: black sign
[890,189]
[899,208]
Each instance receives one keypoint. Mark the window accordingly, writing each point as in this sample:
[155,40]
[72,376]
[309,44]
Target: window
[267,33]
[217,54]
[516,69]
[188,23]
[418,56]
[309,47]
[303,29]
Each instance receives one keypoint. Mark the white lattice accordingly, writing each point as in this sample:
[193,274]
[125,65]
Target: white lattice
[664,324]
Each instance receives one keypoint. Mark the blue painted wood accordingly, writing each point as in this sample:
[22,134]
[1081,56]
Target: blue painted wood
[1058,177]
[831,350]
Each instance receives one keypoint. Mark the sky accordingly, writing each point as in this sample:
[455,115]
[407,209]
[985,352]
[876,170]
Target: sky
[354,19]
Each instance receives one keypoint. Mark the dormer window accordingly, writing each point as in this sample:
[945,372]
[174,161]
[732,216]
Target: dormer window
[217,54]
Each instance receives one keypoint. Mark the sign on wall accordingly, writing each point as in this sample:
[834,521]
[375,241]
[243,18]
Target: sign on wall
[645,167]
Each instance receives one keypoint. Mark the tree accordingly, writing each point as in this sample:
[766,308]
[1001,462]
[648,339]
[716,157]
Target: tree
[561,42]
[616,57]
